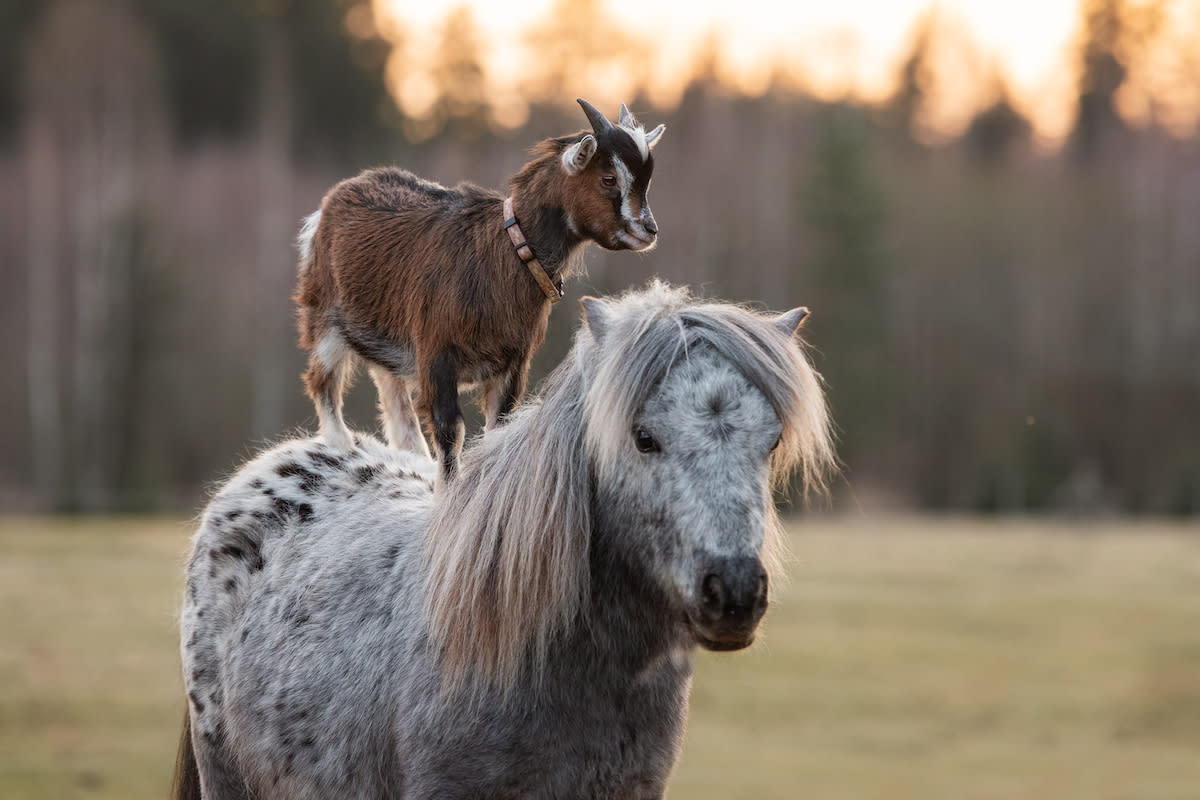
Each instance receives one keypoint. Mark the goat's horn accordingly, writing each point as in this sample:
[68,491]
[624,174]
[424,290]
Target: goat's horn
[600,123]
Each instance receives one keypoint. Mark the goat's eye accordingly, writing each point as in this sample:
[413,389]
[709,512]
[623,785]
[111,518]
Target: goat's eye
[609,180]
[644,441]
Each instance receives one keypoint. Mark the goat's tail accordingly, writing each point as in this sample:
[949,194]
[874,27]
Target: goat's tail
[187,774]
[304,240]
[314,292]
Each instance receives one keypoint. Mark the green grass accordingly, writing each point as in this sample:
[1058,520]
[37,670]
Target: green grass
[905,658]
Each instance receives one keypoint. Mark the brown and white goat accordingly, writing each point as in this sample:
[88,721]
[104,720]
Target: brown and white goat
[432,287]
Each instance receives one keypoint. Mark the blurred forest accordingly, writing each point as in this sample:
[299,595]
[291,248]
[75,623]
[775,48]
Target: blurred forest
[1002,327]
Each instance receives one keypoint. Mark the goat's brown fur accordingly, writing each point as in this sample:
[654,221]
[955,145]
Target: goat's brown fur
[423,282]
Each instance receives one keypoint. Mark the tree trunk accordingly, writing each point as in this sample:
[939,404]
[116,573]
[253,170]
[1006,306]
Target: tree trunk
[45,391]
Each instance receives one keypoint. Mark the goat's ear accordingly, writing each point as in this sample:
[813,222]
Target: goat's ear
[789,321]
[595,316]
[578,155]
[653,136]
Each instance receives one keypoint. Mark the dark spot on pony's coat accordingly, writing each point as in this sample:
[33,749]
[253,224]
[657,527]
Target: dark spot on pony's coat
[269,492]
[251,554]
[257,483]
[325,458]
[230,516]
[199,674]
[308,741]
[309,480]
[245,633]
[230,584]
[367,473]
[195,698]
[306,512]
[284,507]
[233,551]
[294,613]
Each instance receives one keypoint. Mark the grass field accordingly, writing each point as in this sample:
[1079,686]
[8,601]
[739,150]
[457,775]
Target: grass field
[906,658]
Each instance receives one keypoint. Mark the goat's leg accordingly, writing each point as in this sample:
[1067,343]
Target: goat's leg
[439,401]
[502,393]
[328,369]
[396,412]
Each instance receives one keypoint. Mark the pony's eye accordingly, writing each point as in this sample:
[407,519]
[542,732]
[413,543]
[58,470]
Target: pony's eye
[644,441]
[609,180]
[775,446]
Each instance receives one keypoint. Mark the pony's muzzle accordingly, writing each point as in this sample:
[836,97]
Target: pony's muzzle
[732,597]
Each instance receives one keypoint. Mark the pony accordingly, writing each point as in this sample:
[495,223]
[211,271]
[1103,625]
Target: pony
[437,287]
[529,629]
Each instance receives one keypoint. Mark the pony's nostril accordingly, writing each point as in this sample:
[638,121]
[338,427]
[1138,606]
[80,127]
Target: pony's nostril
[760,594]
[651,226]
[712,596]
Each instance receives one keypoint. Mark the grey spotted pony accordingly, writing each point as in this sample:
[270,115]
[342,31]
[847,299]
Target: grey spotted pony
[528,630]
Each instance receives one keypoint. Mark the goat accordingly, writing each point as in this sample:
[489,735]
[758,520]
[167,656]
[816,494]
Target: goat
[441,287]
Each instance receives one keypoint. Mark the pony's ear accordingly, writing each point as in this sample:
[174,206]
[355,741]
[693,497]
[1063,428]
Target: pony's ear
[789,321]
[595,316]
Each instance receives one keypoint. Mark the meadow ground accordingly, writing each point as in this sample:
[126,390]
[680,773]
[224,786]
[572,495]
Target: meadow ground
[905,658]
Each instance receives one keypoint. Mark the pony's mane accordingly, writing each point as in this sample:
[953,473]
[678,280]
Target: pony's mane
[508,543]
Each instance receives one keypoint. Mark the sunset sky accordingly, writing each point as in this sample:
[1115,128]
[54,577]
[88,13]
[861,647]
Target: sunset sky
[850,47]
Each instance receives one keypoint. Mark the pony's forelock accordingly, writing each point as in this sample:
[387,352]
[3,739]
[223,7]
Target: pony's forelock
[647,331]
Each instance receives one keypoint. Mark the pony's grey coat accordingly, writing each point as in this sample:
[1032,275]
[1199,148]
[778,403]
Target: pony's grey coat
[526,632]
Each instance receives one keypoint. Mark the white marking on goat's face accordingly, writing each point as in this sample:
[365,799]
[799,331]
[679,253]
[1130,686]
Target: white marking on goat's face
[703,496]
[639,138]
[638,231]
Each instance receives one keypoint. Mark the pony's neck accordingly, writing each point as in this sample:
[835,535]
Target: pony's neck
[628,618]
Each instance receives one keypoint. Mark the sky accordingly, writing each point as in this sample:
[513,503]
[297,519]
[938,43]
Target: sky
[839,49]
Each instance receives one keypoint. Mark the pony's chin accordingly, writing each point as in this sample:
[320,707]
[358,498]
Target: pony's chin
[725,644]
